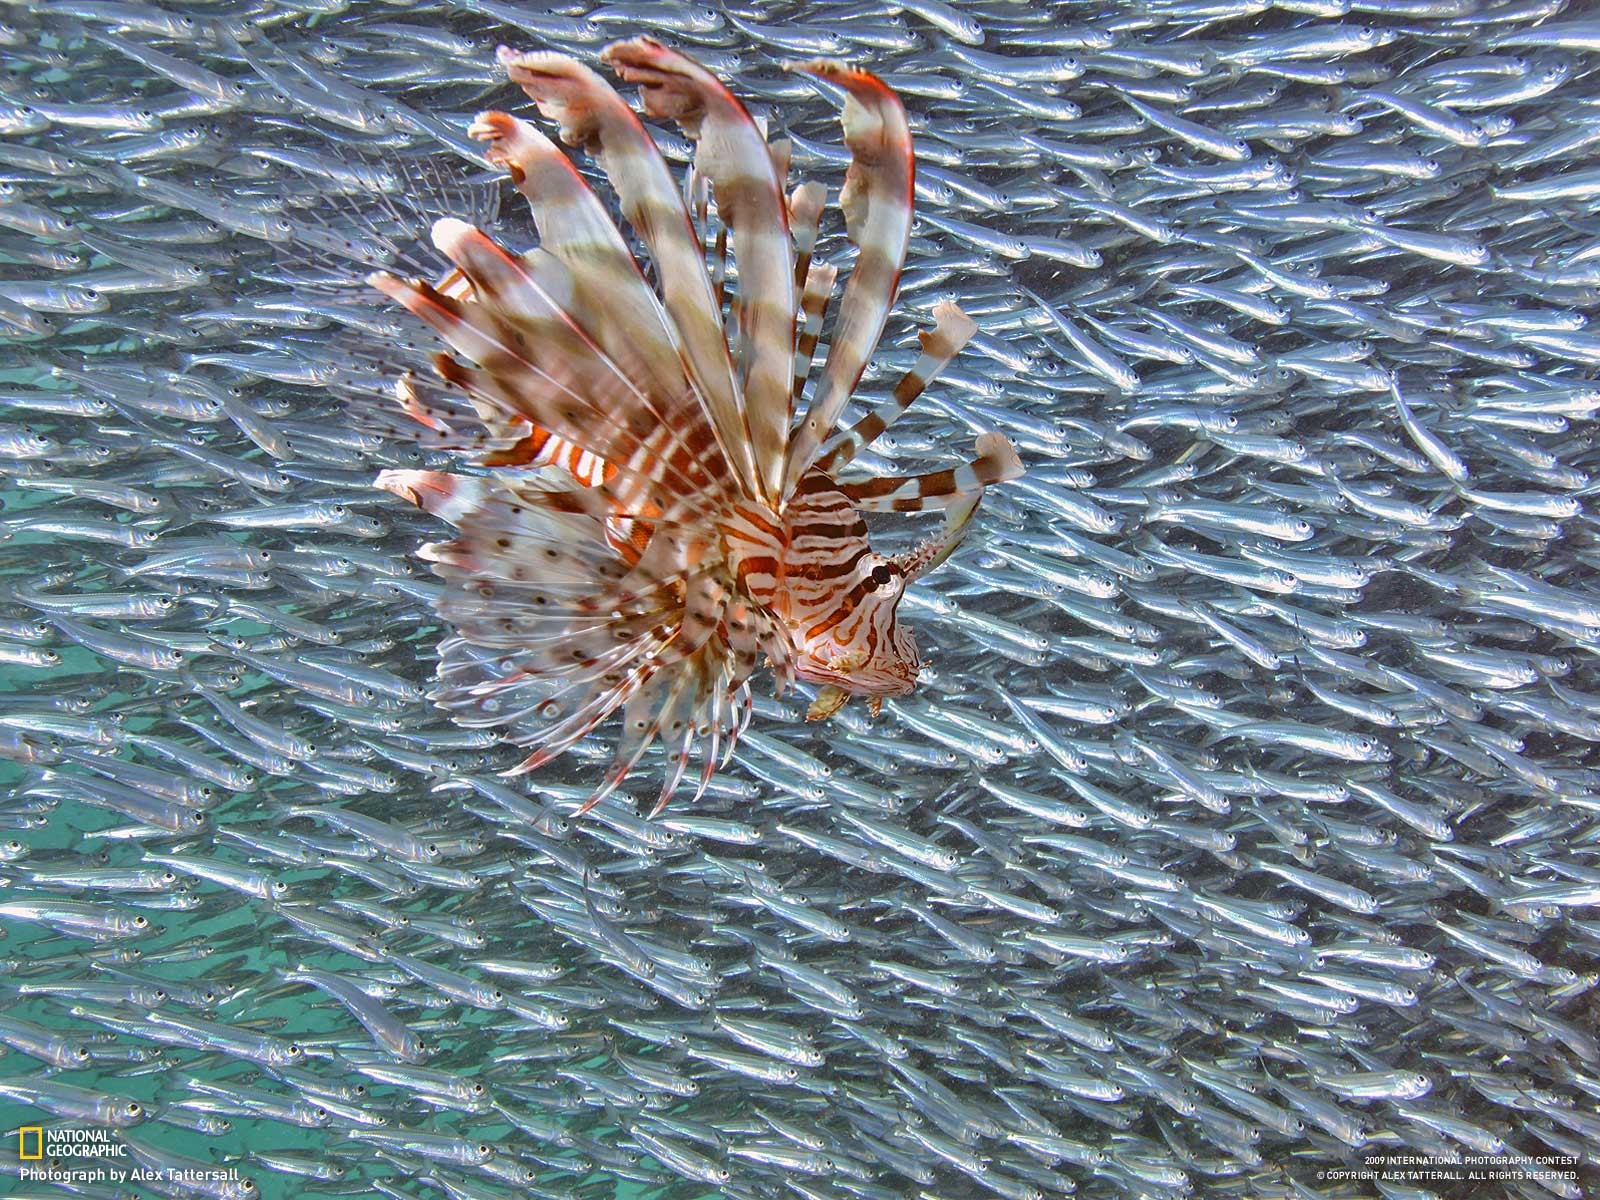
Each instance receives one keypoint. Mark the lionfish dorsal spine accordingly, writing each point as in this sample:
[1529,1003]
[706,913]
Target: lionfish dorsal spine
[877,203]
[592,114]
[732,154]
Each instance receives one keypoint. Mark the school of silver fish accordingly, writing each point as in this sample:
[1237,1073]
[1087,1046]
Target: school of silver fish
[1243,824]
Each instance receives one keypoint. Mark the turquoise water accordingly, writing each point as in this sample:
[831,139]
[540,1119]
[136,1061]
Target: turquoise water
[1249,779]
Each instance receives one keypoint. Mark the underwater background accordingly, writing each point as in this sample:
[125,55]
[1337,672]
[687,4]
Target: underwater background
[1244,824]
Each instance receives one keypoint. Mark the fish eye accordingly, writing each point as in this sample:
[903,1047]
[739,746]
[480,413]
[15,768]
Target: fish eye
[140,921]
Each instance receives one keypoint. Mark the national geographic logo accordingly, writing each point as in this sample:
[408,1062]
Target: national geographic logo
[35,1143]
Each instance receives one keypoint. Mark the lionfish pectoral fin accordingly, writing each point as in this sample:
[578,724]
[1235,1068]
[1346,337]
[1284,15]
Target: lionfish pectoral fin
[830,699]
[875,705]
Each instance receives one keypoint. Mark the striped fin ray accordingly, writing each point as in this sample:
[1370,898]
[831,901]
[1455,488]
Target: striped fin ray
[541,448]
[951,331]
[819,287]
[732,153]
[643,712]
[576,711]
[805,218]
[719,271]
[678,756]
[591,114]
[781,149]
[696,707]
[997,462]
[877,201]
[676,703]
[703,601]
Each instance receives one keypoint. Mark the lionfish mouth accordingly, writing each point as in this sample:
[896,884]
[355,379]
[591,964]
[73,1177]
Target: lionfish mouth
[664,509]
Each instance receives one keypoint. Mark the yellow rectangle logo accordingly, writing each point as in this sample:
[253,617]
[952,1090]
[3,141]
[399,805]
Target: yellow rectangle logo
[38,1143]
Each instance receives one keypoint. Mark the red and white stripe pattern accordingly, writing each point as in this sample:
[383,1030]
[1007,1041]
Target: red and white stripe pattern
[649,521]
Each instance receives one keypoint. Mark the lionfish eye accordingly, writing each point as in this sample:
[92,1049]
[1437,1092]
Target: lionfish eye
[881,574]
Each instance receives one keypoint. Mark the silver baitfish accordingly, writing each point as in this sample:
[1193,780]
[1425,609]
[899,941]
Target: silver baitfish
[1241,826]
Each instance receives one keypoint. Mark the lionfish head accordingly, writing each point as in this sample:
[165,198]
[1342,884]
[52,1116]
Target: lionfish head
[869,653]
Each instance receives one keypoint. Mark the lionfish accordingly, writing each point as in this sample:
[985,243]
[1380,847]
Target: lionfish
[653,519]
